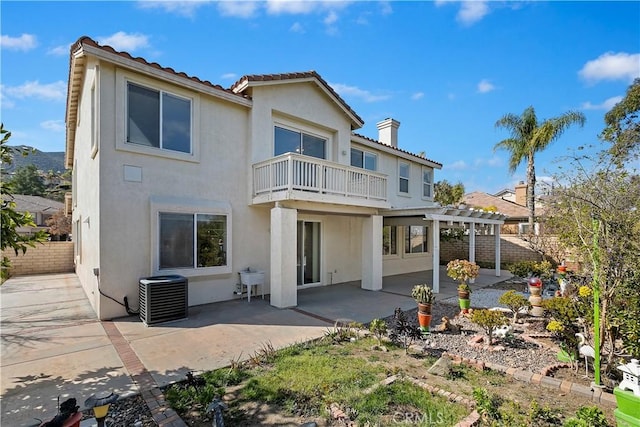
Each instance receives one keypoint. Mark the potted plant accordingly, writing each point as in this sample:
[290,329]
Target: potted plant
[463,270]
[423,295]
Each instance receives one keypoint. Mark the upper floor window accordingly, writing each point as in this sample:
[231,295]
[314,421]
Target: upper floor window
[415,239]
[290,141]
[158,119]
[403,177]
[427,183]
[364,159]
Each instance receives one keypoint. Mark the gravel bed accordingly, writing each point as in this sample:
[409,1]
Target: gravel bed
[128,412]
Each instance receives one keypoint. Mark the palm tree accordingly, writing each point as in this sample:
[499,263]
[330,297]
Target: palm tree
[528,136]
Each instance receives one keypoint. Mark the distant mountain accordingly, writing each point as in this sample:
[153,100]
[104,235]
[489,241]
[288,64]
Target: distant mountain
[43,161]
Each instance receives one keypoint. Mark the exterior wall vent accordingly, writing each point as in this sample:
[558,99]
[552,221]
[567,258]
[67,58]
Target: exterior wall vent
[163,298]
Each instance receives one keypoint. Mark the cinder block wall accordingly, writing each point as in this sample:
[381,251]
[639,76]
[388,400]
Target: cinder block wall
[49,257]
[512,249]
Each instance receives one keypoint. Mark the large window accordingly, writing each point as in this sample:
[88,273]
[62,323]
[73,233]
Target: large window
[427,183]
[390,240]
[415,239]
[403,177]
[158,119]
[192,240]
[363,159]
[290,141]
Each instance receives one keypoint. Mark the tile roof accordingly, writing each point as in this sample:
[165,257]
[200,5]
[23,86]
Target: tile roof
[295,76]
[33,204]
[87,41]
[484,200]
[396,148]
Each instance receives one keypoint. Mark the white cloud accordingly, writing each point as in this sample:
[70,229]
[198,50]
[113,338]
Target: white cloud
[297,28]
[495,161]
[124,41]
[331,18]
[385,8]
[457,165]
[24,43]
[53,125]
[356,92]
[472,11]
[229,76]
[485,86]
[293,7]
[184,8]
[61,50]
[52,91]
[238,9]
[4,101]
[417,95]
[612,66]
[606,105]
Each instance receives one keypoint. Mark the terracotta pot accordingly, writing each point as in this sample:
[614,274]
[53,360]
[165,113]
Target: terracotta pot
[535,300]
[424,308]
[465,303]
[424,320]
[537,311]
[463,294]
[535,290]
[562,269]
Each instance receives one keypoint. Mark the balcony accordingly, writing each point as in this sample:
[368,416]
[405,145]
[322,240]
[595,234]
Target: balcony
[296,177]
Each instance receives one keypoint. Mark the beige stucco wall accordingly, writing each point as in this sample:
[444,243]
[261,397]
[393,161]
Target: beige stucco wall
[48,257]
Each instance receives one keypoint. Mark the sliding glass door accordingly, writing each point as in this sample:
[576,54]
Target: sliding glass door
[308,252]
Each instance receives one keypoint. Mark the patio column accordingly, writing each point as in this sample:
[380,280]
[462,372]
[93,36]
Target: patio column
[472,245]
[496,232]
[283,279]
[436,257]
[372,253]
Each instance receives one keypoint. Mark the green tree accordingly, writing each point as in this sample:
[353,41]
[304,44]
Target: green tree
[447,194]
[529,136]
[10,220]
[27,180]
[623,126]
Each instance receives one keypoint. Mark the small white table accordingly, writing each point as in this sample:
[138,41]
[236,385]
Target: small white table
[250,279]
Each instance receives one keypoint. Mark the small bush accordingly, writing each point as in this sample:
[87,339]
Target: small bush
[378,327]
[588,416]
[515,302]
[489,320]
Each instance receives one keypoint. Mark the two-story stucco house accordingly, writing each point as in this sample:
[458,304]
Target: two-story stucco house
[175,175]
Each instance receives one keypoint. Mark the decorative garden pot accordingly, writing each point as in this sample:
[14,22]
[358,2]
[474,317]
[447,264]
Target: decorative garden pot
[535,290]
[424,308]
[463,294]
[562,269]
[424,320]
[464,304]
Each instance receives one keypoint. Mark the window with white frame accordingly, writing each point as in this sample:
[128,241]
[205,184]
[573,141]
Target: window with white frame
[187,240]
[403,177]
[390,240]
[158,119]
[415,239]
[364,159]
[427,183]
[292,141]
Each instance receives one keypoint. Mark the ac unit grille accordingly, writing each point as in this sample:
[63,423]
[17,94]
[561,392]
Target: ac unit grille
[163,298]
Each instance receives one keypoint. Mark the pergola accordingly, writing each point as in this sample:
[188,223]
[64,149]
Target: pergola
[450,217]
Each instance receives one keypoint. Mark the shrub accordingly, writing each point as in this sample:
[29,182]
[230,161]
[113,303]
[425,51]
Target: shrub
[462,270]
[489,320]
[378,327]
[515,302]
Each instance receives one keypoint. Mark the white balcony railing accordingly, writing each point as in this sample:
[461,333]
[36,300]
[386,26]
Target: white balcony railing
[294,172]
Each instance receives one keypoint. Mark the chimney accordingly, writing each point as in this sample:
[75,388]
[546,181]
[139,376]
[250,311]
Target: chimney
[521,194]
[388,132]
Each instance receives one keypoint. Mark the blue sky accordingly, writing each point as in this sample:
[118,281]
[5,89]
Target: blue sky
[447,70]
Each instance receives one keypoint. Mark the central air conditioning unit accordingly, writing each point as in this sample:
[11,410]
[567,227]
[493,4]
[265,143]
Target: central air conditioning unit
[163,298]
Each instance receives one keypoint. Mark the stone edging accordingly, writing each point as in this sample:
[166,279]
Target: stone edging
[596,394]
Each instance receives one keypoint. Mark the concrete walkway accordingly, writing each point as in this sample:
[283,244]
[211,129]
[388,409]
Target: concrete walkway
[53,345]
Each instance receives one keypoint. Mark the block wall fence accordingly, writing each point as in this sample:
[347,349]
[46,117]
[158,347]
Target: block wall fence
[512,249]
[49,257]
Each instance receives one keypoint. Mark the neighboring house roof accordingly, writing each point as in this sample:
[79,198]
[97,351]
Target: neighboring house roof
[483,200]
[269,79]
[424,159]
[35,204]
[504,192]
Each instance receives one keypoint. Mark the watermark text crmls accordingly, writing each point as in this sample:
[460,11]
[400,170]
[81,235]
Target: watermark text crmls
[423,418]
